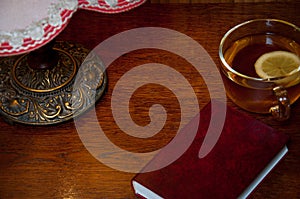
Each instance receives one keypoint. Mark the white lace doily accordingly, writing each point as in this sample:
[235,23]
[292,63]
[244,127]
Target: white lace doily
[27,25]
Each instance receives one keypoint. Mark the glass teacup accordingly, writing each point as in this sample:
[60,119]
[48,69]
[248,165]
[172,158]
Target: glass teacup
[240,48]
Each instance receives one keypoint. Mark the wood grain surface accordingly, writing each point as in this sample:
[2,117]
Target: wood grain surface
[217,1]
[52,162]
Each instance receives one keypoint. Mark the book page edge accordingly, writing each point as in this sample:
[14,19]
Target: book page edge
[264,173]
[144,192]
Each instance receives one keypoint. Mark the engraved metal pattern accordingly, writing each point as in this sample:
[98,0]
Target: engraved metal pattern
[49,96]
[45,80]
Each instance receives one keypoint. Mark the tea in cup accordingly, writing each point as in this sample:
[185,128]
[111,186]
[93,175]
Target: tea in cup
[260,66]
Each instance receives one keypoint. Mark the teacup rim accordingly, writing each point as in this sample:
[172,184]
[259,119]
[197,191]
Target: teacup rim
[229,68]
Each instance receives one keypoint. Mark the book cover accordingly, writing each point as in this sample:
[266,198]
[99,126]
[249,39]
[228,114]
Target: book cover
[244,154]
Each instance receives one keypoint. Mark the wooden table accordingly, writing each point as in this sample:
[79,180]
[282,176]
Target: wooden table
[52,162]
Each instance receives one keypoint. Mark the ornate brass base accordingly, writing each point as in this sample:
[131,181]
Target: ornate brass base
[51,96]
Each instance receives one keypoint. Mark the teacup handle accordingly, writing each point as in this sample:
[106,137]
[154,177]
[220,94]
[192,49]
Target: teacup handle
[282,110]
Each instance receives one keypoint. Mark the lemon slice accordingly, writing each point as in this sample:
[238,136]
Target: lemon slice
[277,64]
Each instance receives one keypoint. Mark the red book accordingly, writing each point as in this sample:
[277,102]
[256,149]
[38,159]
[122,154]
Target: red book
[244,154]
